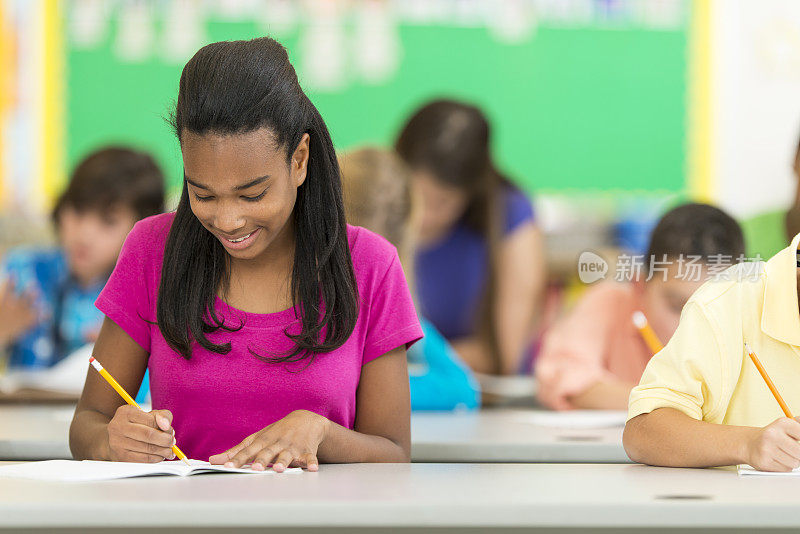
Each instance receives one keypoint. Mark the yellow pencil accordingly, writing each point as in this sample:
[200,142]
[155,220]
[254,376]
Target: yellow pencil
[767,379]
[647,332]
[124,394]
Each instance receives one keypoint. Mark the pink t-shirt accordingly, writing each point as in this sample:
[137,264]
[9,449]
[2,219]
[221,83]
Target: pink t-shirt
[219,399]
[596,341]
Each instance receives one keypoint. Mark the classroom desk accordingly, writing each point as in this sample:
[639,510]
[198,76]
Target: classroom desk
[379,497]
[39,432]
[35,432]
[38,396]
[502,436]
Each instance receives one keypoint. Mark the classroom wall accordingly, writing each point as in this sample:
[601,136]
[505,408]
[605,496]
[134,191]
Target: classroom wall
[574,88]
[756,98]
[32,164]
[589,97]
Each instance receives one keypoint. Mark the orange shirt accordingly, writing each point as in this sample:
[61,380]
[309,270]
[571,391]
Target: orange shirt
[596,340]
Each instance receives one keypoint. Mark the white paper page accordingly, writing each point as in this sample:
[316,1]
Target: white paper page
[199,466]
[575,419]
[746,470]
[87,470]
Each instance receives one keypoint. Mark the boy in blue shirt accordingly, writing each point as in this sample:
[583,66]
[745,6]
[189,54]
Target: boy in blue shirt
[47,294]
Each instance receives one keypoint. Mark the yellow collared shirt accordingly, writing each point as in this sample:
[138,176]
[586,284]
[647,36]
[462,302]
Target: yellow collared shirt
[704,371]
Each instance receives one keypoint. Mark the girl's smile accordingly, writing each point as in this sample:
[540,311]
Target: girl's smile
[239,243]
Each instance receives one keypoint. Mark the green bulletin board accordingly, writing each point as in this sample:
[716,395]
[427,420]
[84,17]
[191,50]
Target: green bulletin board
[572,109]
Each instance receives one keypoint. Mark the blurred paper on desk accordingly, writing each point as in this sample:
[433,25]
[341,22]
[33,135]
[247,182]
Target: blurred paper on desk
[67,376]
[575,419]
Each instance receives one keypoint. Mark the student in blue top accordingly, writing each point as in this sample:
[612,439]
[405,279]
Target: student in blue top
[376,186]
[47,294]
[480,267]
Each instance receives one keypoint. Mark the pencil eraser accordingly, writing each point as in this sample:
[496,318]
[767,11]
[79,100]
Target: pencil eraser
[91,359]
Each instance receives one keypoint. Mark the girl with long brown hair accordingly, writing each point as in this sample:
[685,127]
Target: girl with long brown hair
[480,269]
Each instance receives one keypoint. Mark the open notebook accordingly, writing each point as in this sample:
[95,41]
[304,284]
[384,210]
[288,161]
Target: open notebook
[91,470]
[745,470]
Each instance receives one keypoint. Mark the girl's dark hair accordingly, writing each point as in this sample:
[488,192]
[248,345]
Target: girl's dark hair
[237,87]
[111,177]
[451,141]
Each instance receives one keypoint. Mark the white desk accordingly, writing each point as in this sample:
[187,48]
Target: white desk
[383,496]
[35,432]
[504,436]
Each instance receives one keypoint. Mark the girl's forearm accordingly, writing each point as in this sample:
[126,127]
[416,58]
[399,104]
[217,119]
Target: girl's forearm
[88,435]
[667,437]
[342,445]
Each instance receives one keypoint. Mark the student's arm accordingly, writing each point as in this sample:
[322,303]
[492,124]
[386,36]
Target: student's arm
[383,416]
[521,278]
[668,437]
[571,368]
[605,394]
[104,426]
[521,281]
[381,432]
[690,383]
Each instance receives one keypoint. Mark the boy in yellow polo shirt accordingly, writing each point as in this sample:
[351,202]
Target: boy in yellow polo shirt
[701,402]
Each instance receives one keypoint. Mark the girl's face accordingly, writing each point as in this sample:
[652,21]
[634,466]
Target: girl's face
[442,205]
[242,190]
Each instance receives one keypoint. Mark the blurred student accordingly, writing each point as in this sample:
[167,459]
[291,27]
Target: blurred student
[376,186]
[480,266]
[701,401]
[47,294]
[596,355]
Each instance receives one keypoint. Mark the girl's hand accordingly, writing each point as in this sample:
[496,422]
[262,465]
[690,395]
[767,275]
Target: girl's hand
[293,440]
[137,436]
[775,447]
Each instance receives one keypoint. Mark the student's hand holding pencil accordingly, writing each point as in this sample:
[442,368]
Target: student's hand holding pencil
[776,447]
[291,441]
[137,436]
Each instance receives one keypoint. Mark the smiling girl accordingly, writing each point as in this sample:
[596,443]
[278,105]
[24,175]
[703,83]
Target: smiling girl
[274,333]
